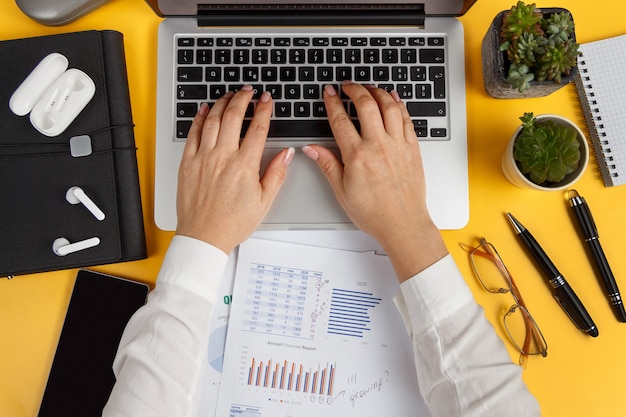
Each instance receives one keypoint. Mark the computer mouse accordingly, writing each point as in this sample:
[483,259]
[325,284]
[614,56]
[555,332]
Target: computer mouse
[57,12]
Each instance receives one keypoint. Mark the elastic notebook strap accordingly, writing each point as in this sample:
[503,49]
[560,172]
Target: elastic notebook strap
[65,148]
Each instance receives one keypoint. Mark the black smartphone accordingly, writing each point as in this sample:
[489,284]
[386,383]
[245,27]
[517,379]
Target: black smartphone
[81,377]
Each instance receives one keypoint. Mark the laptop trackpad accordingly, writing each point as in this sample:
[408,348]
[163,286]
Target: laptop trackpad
[306,200]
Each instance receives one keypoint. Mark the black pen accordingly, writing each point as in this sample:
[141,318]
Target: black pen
[563,293]
[590,234]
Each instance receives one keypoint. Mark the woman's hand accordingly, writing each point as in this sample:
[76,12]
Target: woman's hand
[380,179]
[221,197]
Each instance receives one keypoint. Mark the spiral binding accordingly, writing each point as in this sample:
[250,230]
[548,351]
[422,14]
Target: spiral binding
[595,124]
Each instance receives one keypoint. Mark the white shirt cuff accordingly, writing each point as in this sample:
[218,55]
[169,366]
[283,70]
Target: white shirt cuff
[432,295]
[193,264]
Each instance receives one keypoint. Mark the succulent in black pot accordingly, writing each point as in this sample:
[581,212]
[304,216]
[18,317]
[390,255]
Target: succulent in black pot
[529,52]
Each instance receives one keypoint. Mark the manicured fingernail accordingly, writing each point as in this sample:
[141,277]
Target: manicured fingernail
[310,152]
[247,87]
[330,90]
[289,155]
[265,97]
[395,96]
[204,109]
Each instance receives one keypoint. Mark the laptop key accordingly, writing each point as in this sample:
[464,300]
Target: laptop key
[426,108]
[431,56]
[213,74]
[325,73]
[243,41]
[315,56]
[217,91]
[190,74]
[302,128]
[279,56]
[302,109]
[436,41]
[302,41]
[222,56]
[334,56]
[438,132]
[288,74]
[182,128]
[192,92]
[260,56]
[292,91]
[204,56]
[186,42]
[390,56]
[438,76]
[282,109]
[311,91]
[186,109]
[282,42]
[242,56]
[269,74]
[321,41]
[185,56]
[205,42]
[372,56]
[275,90]
[263,42]
[340,41]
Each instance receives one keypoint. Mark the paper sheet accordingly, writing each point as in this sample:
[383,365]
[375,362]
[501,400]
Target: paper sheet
[314,331]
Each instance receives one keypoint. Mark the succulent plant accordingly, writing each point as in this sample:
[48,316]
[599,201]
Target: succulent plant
[557,60]
[521,19]
[538,45]
[546,151]
[559,27]
[519,77]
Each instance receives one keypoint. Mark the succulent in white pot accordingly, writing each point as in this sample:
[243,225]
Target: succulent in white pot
[547,152]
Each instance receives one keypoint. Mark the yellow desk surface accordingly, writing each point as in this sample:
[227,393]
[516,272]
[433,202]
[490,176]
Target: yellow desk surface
[581,376]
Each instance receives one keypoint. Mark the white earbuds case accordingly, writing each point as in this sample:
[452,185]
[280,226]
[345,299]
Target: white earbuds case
[53,95]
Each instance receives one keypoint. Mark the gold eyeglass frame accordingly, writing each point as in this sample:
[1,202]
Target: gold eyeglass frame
[533,333]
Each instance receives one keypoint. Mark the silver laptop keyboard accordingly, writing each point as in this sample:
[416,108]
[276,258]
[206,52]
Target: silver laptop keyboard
[295,69]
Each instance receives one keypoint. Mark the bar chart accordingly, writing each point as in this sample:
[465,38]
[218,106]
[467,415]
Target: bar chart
[350,312]
[292,376]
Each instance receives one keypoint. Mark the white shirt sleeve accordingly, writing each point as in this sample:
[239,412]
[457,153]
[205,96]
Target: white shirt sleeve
[159,363]
[463,368]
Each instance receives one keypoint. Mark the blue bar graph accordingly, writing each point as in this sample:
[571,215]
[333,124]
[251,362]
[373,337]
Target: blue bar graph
[349,312]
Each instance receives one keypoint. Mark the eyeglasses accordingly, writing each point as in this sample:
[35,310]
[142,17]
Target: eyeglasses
[519,325]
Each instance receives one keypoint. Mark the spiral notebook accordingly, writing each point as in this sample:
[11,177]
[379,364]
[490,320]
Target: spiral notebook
[602,90]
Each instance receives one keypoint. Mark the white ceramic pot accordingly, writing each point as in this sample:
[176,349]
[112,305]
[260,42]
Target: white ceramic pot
[515,176]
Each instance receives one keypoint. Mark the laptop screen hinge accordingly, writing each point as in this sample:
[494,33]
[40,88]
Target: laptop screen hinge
[310,15]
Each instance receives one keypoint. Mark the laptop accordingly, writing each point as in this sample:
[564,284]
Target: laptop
[292,49]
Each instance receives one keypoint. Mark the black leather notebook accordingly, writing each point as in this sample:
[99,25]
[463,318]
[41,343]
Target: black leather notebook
[36,170]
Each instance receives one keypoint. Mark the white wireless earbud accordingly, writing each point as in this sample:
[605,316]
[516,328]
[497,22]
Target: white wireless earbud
[62,246]
[76,195]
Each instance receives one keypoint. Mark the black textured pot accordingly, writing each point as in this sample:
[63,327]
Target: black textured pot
[496,65]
